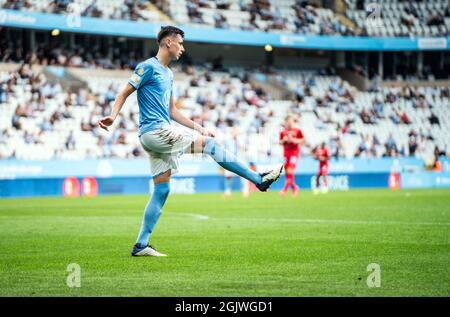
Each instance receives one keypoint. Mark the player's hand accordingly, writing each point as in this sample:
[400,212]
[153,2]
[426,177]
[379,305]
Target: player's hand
[105,122]
[207,132]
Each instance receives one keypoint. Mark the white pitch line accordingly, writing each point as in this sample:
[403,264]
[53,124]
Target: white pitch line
[197,216]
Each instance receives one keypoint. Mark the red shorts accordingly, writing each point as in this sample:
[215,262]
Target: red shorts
[290,161]
[323,169]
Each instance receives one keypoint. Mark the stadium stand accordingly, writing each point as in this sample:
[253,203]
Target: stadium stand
[403,18]
[56,54]
[287,16]
[365,121]
[108,9]
[399,18]
[40,129]
[38,112]
[42,120]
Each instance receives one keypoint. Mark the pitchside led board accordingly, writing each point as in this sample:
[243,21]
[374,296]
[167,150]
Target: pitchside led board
[115,176]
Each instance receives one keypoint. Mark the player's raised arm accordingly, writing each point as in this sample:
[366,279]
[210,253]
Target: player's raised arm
[107,121]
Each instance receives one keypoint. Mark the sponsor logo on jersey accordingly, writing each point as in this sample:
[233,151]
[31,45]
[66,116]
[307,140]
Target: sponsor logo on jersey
[136,79]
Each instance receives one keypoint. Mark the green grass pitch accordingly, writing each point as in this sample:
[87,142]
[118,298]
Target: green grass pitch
[264,245]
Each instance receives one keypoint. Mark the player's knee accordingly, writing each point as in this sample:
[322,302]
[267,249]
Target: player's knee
[162,178]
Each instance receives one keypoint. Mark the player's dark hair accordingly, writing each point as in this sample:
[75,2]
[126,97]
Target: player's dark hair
[168,31]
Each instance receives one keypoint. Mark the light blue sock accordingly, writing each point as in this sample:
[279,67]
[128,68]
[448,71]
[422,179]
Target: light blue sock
[229,161]
[152,212]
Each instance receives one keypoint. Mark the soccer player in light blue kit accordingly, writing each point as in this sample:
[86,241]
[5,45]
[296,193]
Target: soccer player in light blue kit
[163,142]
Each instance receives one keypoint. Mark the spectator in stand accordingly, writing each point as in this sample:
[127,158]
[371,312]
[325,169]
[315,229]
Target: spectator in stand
[378,109]
[390,145]
[220,21]
[223,4]
[395,117]
[193,11]
[434,119]
[366,118]
[404,118]
[412,143]
[363,147]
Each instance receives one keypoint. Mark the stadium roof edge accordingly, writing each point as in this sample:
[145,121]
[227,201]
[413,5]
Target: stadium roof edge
[68,23]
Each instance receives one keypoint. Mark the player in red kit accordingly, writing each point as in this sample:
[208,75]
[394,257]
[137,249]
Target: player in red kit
[323,156]
[291,138]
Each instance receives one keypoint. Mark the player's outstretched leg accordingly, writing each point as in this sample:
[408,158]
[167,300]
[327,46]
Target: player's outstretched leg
[151,216]
[294,187]
[292,183]
[316,190]
[287,182]
[325,184]
[284,190]
[231,163]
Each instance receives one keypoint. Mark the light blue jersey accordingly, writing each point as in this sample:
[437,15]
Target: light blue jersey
[154,84]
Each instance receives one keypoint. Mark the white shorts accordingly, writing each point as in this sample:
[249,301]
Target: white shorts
[165,145]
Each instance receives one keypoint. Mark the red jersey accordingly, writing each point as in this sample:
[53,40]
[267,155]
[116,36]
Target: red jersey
[323,155]
[291,148]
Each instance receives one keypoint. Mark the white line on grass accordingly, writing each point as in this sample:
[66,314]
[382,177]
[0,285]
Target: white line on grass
[196,216]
